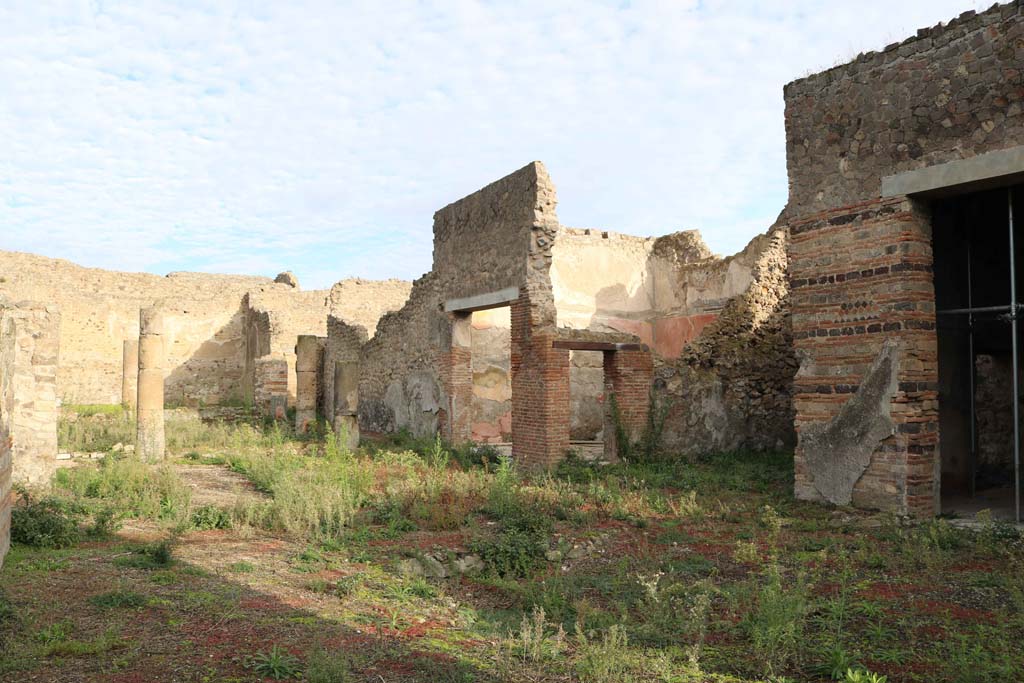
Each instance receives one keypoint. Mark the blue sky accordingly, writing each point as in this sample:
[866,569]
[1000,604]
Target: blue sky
[320,137]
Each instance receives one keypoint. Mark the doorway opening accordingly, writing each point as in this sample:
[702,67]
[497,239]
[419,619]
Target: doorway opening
[978,252]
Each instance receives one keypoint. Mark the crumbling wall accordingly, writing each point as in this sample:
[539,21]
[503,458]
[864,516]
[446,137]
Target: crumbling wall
[484,243]
[400,385]
[731,386]
[29,355]
[100,309]
[6,494]
[273,318]
[718,326]
[861,264]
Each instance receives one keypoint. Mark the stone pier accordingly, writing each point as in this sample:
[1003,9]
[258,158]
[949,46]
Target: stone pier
[307,364]
[150,435]
[129,373]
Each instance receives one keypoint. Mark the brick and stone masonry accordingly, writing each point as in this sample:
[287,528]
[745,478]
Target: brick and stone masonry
[860,264]
[150,444]
[627,376]
[130,373]
[271,385]
[29,356]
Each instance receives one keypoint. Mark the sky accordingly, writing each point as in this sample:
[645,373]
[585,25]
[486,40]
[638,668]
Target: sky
[320,137]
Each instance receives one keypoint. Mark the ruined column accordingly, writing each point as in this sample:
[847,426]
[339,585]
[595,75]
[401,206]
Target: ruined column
[150,417]
[129,373]
[307,361]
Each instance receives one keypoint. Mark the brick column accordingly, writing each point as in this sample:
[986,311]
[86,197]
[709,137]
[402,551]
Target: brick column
[627,378]
[540,392]
[456,373]
[150,444]
[863,307]
[129,373]
[307,363]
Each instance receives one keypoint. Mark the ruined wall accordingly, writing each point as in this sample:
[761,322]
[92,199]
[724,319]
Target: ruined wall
[718,326]
[273,318]
[482,244]
[861,265]
[731,386]
[6,494]
[100,309]
[29,354]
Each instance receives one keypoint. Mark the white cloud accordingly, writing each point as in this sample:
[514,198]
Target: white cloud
[321,136]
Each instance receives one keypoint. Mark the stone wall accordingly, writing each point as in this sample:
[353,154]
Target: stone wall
[100,309]
[862,297]
[29,355]
[719,328]
[730,387]
[6,494]
[482,244]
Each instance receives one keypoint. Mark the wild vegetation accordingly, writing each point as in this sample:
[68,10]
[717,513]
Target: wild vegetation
[409,560]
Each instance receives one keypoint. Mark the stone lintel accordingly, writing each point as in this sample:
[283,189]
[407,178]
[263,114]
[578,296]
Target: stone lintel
[482,302]
[984,171]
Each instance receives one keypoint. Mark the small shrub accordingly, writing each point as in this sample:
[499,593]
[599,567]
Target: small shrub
[521,543]
[276,664]
[537,641]
[325,667]
[152,556]
[208,517]
[605,660]
[118,598]
[57,632]
[776,624]
[46,523]
[241,567]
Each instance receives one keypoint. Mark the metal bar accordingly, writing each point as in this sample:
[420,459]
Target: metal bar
[1013,336]
[980,309]
[972,462]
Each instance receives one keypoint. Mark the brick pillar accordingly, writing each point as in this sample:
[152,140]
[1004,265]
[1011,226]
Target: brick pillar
[861,293]
[270,385]
[627,378]
[129,373]
[455,367]
[150,443]
[540,392]
[307,363]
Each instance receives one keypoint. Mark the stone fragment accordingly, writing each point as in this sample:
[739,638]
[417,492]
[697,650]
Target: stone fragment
[287,278]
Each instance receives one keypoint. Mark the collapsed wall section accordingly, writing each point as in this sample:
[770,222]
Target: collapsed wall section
[718,327]
[861,264]
[29,357]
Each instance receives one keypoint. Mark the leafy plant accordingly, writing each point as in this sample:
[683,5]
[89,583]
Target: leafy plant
[862,676]
[276,664]
[46,523]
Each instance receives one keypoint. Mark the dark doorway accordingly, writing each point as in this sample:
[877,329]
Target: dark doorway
[978,287]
